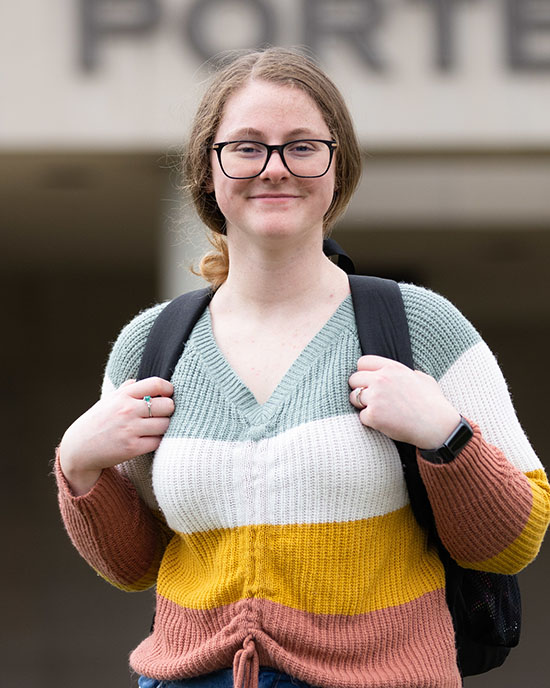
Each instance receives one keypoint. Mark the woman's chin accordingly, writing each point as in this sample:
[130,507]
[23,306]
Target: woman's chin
[275,230]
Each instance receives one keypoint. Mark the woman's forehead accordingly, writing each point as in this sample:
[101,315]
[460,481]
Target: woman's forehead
[263,107]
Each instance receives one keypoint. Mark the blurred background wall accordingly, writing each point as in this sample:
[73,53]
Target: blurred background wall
[451,99]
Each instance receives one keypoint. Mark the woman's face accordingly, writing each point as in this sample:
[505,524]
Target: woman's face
[276,203]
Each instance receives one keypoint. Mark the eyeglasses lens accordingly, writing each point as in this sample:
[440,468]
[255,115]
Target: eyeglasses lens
[242,159]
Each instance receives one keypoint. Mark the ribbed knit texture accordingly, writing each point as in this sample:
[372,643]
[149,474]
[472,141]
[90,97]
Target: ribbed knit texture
[281,534]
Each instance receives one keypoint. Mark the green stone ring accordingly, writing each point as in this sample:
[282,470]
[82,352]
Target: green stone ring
[147,400]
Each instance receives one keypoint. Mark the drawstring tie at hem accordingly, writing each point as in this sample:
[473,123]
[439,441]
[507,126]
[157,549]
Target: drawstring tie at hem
[246,665]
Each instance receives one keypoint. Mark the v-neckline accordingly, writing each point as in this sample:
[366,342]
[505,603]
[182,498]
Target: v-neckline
[232,387]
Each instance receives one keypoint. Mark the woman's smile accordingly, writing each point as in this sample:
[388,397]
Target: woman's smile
[274,197]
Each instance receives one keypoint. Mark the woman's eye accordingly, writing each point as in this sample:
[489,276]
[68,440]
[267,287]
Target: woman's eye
[247,149]
[301,148]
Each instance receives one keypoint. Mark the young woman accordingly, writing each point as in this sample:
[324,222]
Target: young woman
[274,518]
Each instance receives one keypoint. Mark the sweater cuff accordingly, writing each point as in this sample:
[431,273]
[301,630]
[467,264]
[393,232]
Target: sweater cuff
[62,482]
[111,488]
[481,502]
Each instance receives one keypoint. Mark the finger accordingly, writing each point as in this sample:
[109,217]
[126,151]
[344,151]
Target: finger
[360,379]
[364,417]
[371,362]
[357,397]
[152,427]
[147,444]
[155,407]
[151,386]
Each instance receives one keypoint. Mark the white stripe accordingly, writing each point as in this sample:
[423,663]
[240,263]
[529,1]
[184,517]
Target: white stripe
[476,387]
[138,471]
[331,470]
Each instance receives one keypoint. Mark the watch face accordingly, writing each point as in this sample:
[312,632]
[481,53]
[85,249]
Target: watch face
[460,437]
[453,445]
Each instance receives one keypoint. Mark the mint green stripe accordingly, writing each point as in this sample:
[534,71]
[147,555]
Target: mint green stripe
[439,332]
[222,408]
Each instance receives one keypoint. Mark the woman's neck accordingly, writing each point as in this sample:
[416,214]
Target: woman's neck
[281,276]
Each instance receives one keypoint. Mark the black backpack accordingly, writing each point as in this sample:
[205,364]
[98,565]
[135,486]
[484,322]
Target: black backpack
[485,607]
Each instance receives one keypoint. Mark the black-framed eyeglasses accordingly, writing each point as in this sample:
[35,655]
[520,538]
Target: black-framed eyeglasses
[248,159]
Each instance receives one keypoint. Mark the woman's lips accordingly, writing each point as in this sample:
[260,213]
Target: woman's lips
[273,197]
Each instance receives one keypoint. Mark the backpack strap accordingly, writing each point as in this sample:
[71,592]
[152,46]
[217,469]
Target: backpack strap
[169,333]
[381,321]
[384,331]
[332,248]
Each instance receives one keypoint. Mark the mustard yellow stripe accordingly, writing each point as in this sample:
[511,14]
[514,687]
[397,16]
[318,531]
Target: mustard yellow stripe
[527,545]
[329,568]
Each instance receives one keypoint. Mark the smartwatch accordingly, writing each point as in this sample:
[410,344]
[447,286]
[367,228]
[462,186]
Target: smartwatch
[452,446]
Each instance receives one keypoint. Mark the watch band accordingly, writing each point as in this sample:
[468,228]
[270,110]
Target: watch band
[452,446]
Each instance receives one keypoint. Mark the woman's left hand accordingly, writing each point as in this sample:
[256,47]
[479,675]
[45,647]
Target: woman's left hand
[404,404]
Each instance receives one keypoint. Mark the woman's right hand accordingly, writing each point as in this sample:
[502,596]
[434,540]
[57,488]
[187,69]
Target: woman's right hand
[117,428]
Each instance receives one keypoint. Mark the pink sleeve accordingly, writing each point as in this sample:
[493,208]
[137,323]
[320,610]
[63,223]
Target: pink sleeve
[114,530]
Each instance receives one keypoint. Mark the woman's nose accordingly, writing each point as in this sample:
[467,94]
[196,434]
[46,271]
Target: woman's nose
[275,168]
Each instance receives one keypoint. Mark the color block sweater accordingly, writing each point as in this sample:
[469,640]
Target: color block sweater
[281,534]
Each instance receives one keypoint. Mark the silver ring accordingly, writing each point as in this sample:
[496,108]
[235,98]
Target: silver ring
[358,401]
[147,400]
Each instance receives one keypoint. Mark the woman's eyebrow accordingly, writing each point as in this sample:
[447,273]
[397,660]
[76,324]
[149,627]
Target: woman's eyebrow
[245,131]
[250,131]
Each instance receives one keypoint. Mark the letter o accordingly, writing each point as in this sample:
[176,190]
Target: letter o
[198,37]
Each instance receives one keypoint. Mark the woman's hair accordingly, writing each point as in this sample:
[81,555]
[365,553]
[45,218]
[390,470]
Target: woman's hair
[281,66]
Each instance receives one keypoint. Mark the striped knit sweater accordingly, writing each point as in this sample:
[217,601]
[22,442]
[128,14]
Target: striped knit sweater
[281,534]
